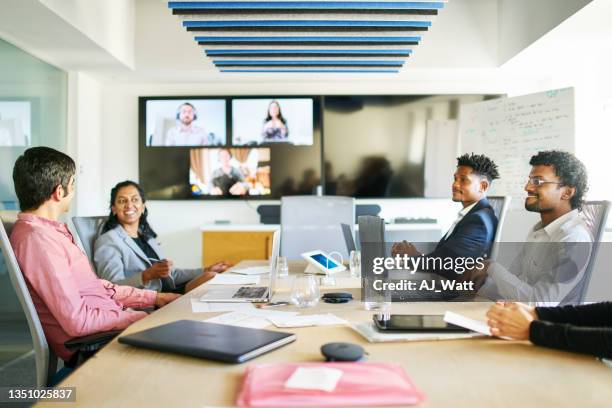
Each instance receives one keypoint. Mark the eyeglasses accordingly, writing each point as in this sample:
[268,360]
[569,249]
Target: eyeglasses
[538,182]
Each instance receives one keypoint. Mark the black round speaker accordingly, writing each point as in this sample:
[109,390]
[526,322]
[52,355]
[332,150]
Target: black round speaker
[342,352]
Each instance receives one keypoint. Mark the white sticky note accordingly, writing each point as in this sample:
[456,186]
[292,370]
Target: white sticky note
[314,378]
[232,279]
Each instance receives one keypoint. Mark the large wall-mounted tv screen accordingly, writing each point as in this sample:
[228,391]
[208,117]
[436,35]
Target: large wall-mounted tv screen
[185,122]
[187,152]
[268,120]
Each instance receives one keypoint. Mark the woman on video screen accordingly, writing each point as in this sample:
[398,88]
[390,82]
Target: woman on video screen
[275,126]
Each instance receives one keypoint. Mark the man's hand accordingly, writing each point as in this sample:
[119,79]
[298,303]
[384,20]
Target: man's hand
[510,319]
[404,248]
[476,275]
[159,269]
[219,267]
[163,299]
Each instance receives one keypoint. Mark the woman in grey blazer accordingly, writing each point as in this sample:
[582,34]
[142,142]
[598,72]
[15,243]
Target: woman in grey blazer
[126,252]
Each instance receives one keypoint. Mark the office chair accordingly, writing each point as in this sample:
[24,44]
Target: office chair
[311,222]
[46,360]
[87,229]
[500,208]
[595,214]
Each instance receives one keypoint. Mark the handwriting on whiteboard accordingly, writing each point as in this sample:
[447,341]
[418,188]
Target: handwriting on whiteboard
[511,130]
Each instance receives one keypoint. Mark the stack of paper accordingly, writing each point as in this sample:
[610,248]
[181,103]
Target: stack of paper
[256,318]
[198,306]
[231,279]
[252,270]
[308,320]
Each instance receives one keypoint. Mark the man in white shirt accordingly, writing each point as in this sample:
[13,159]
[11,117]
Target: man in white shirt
[551,264]
[186,132]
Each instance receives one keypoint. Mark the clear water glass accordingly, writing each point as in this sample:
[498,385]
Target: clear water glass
[355,264]
[305,291]
[282,267]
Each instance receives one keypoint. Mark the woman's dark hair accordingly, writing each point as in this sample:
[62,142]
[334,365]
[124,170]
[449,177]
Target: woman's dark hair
[144,229]
[569,169]
[280,113]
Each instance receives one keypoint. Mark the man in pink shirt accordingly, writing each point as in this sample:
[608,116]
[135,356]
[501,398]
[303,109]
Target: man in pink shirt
[70,299]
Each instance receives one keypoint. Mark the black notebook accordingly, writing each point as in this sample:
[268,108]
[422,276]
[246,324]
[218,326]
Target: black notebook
[211,341]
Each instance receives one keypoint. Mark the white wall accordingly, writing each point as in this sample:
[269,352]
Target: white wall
[109,23]
[521,22]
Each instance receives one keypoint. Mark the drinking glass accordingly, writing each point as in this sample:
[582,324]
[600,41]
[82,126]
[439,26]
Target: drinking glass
[355,264]
[305,291]
[282,267]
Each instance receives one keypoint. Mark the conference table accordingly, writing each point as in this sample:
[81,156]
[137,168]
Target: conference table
[451,373]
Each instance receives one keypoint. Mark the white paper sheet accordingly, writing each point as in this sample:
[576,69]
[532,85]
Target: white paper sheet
[466,322]
[240,319]
[232,279]
[307,320]
[319,378]
[208,307]
[252,270]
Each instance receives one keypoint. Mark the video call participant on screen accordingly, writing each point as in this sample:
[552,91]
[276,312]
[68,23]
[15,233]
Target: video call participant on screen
[275,126]
[127,253]
[228,179]
[552,261]
[581,329]
[71,301]
[186,132]
[472,233]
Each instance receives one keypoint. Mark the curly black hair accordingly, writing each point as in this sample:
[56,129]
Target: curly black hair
[144,229]
[481,164]
[569,169]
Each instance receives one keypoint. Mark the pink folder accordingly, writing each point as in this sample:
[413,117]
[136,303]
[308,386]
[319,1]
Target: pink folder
[361,384]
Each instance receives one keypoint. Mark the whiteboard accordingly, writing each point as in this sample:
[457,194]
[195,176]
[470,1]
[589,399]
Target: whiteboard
[511,130]
[441,148]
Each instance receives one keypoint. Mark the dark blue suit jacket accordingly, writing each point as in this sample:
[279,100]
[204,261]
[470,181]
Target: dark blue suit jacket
[472,237]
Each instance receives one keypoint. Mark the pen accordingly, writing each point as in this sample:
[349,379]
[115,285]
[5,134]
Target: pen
[264,305]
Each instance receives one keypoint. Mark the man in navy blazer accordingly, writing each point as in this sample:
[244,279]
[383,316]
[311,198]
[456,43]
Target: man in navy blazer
[472,233]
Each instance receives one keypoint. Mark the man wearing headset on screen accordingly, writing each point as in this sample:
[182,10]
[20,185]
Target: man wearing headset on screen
[186,132]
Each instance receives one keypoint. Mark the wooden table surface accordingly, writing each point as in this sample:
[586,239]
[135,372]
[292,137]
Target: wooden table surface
[452,373]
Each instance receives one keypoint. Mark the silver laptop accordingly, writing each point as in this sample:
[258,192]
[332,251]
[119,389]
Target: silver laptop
[248,293]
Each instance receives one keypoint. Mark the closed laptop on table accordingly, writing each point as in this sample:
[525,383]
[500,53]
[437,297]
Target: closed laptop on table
[211,341]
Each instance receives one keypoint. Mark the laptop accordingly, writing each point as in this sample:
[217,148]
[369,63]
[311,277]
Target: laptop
[248,293]
[347,231]
[230,344]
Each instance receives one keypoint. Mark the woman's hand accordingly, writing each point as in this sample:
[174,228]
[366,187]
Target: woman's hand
[219,267]
[159,269]
[510,319]
[195,282]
